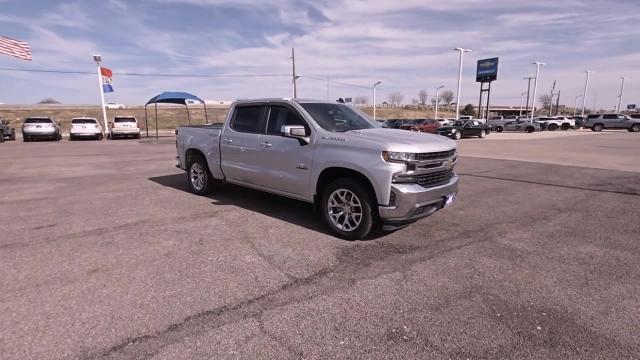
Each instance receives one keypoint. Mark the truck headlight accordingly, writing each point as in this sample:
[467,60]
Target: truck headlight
[392,156]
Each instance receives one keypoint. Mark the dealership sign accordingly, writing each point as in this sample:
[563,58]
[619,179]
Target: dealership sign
[487,70]
[631,107]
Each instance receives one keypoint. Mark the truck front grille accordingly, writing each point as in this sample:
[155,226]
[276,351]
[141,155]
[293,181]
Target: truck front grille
[435,155]
[435,178]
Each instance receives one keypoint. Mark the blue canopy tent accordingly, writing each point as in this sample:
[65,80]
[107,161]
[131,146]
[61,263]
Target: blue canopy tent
[172,97]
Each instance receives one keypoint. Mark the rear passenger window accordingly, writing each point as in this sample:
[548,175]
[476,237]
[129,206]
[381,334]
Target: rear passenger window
[610,117]
[247,119]
[280,116]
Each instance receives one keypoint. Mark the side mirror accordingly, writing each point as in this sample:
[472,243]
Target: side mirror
[295,131]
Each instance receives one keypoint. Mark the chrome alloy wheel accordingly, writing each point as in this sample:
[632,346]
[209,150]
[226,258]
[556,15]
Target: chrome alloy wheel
[197,176]
[345,210]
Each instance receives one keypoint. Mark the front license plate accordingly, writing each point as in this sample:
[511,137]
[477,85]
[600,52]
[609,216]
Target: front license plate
[449,199]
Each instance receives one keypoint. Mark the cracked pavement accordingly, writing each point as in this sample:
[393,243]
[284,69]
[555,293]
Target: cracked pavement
[105,255]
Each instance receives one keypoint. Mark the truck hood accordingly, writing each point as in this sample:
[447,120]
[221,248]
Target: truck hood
[402,140]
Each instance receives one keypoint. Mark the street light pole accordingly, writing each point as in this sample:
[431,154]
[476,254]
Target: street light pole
[528,90]
[522,101]
[375,85]
[535,87]
[586,87]
[575,104]
[620,96]
[438,98]
[462,51]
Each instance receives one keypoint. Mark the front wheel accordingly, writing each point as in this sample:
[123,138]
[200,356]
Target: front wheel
[565,127]
[348,209]
[552,127]
[483,134]
[199,177]
[529,130]
[635,128]
[499,129]
[457,135]
[597,127]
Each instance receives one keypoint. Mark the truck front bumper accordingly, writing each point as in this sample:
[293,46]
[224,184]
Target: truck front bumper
[413,202]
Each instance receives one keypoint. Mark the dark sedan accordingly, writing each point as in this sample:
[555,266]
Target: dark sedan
[464,128]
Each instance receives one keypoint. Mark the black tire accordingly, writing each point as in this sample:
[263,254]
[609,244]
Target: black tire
[13,136]
[1,136]
[483,134]
[25,138]
[499,129]
[138,136]
[529,130]
[552,127]
[100,137]
[565,127]
[457,135]
[198,176]
[597,127]
[635,128]
[369,214]
[71,137]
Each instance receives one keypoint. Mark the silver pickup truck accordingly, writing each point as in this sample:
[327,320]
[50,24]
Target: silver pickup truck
[361,177]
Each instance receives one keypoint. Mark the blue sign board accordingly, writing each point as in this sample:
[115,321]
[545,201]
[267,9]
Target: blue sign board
[487,70]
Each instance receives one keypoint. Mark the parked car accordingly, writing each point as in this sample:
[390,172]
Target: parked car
[612,121]
[446,121]
[425,125]
[393,123]
[635,116]
[410,123]
[83,128]
[124,127]
[114,106]
[361,175]
[6,131]
[522,125]
[554,123]
[40,128]
[497,124]
[464,128]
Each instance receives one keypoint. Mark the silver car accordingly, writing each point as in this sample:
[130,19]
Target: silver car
[599,122]
[522,126]
[43,127]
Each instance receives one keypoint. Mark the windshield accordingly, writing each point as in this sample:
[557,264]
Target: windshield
[83,121]
[338,117]
[38,121]
[124,119]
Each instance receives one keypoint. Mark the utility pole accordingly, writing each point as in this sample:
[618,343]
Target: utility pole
[551,99]
[535,88]
[620,96]
[575,105]
[586,87]
[528,89]
[522,102]
[294,77]
[558,103]
[438,98]
[375,85]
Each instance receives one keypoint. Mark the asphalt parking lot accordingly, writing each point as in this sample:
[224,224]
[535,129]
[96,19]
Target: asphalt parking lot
[104,254]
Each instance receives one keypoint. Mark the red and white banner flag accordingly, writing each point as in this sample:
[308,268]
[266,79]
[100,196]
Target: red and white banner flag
[107,74]
[15,48]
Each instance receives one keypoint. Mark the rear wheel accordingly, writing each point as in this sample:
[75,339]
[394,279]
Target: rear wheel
[199,176]
[552,127]
[565,127]
[499,129]
[529,130]
[635,128]
[597,127]
[348,209]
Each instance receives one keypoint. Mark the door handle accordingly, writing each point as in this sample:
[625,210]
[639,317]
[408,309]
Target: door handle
[266,144]
[227,140]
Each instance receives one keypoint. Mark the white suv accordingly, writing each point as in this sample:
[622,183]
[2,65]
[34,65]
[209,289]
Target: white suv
[123,127]
[83,128]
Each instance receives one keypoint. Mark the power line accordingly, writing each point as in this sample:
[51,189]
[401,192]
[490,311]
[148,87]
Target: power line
[147,74]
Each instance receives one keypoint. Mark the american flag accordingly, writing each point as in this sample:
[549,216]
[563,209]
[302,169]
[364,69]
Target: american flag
[19,49]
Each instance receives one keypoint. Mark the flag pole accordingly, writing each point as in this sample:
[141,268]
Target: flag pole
[98,59]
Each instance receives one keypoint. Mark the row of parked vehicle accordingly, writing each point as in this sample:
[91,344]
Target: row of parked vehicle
[46,128]
[451,128]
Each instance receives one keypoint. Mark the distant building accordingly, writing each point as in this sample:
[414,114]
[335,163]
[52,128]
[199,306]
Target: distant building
[218,102]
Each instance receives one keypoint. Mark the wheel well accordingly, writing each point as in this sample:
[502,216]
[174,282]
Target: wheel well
[330,174]
[601,124]
[192,154]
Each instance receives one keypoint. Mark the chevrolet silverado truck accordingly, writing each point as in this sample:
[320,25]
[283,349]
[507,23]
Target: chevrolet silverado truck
[361,177]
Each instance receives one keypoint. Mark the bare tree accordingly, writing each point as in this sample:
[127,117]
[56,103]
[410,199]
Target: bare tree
[433,101]
[447,97]
[415,101]
[422,96]
[395,98]
[545,99]
[361,100]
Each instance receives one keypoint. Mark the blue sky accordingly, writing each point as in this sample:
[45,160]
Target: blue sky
[407,44]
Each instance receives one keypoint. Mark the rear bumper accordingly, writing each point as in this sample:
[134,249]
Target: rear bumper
[414,202]
[125,131]
[40,134]
[85,133]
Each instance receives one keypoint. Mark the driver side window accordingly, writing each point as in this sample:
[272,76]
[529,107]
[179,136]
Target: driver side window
[280,116]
